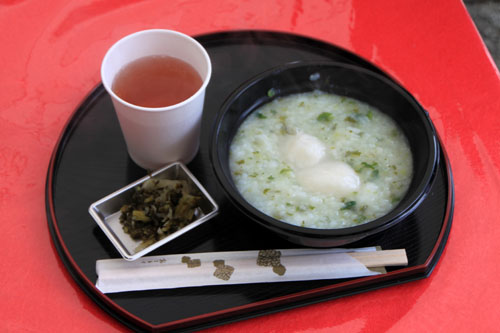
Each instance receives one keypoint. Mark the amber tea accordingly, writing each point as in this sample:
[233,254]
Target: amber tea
[156,81]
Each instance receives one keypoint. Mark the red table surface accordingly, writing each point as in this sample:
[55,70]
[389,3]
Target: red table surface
[50,60]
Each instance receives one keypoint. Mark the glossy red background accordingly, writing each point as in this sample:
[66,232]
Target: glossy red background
[50,58]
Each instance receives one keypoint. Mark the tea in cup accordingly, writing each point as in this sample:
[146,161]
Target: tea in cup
[157,81]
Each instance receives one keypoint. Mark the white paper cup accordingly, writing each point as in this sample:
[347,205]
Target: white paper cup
[158,136]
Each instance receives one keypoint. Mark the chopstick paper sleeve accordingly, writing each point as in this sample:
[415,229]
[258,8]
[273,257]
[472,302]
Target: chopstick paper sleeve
[239,267]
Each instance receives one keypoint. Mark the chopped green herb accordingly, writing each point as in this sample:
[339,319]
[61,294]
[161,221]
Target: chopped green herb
[271,93]
[237,173]
[394,133]
[311,207]
[256,152]
[302,224]
[370,166]
[395,199]
[253,175]
[348,205]
[301,103]
[299,209]
[369,115]
[352,153]
[261,116]
[288,130]
[288,204]
[270,178]
[350,119]
[273,111]
[325,117]
[285,170]
[266,190]
[240,162]
[360,219]
[373,166]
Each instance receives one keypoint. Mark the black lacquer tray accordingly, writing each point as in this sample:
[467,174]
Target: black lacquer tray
[91,161]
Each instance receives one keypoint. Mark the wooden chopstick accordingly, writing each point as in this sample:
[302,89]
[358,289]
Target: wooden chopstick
[381,258]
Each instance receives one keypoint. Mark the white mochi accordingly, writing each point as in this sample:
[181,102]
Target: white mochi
[302,150]
[335,178]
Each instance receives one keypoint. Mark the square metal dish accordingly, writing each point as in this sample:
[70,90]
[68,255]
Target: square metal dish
[106,211]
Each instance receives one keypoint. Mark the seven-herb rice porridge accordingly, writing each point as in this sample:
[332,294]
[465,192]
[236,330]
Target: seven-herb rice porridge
[321,161]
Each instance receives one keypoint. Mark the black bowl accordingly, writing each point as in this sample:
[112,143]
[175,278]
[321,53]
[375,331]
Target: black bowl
[345,80]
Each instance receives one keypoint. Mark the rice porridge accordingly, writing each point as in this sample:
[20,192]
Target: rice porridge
[321,161]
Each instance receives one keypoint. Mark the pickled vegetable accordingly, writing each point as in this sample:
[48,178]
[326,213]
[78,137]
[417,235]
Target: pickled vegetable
[158,208]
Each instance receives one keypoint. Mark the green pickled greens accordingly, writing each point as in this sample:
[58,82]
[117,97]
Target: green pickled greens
[158,208]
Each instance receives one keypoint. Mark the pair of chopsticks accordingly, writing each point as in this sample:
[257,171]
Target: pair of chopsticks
[381,258]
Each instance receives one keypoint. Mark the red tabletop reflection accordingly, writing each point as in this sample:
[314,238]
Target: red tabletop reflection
[51,54]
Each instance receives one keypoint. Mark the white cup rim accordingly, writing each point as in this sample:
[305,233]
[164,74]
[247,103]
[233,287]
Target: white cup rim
[206,79]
